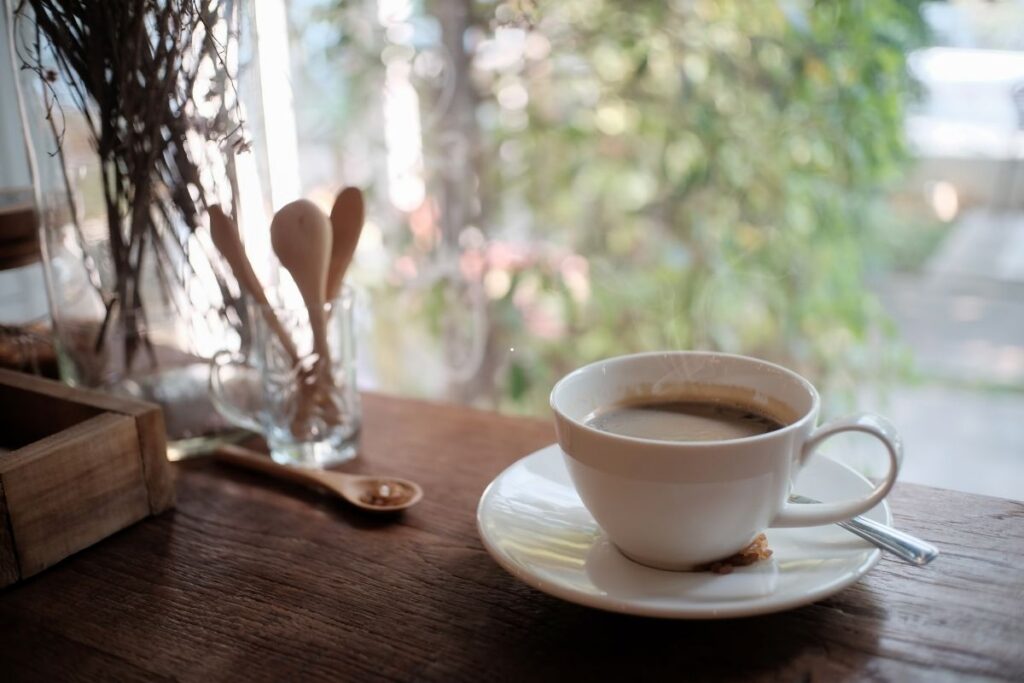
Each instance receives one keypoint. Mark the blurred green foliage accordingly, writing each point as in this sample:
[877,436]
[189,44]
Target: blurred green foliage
[719,165]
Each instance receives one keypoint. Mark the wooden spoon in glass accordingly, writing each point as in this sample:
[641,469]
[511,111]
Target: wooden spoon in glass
[368,492]
[225,237]
[346,224]
[301,236]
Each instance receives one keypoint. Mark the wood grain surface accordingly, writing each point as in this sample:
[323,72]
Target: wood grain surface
[252,579]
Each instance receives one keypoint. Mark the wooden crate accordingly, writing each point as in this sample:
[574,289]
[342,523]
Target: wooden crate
[75,466]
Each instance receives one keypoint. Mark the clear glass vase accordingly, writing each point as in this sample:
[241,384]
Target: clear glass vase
[136,297]
[157,350]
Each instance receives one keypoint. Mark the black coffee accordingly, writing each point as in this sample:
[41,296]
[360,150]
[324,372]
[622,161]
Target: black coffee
[684,419]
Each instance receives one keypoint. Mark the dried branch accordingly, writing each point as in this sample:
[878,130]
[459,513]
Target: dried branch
[131,68]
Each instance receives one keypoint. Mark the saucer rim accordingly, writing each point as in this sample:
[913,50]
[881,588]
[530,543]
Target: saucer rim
[684,611]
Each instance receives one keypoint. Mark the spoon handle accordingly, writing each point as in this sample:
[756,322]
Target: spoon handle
[226,239]
[249,459]
[904,546]
[347,216]
[275,325]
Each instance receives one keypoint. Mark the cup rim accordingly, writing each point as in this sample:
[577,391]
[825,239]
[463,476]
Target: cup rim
[638,440]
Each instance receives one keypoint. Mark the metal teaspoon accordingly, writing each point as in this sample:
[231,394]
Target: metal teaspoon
[904,546]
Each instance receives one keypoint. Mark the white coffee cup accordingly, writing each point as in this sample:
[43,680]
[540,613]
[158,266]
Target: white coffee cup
[681,504]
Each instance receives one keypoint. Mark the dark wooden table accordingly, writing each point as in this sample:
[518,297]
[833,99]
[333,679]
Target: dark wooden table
[250,579]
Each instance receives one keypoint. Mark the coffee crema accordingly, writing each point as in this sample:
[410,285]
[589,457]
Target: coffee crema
[702,415]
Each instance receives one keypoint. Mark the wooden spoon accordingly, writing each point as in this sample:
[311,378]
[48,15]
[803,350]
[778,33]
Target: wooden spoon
[301,236]
[373,493]
[228,242]
[346,223]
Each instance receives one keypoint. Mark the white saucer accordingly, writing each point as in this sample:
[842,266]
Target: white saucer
[533,523]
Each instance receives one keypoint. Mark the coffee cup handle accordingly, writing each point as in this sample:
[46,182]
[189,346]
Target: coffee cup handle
[826,513]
